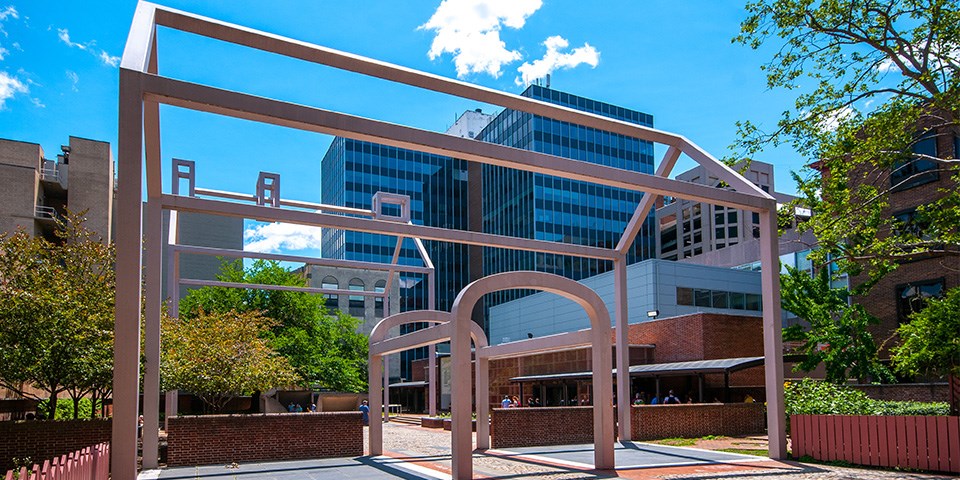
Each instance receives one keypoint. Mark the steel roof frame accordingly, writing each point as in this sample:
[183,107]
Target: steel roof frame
[142,90]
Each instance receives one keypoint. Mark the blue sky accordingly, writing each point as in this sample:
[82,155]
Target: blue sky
[674,60]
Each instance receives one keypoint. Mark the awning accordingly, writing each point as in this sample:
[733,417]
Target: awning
[409,384]
[697,367]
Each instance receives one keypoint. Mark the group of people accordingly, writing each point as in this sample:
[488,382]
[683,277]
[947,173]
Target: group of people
[669,399]
[297,408]
[514,401]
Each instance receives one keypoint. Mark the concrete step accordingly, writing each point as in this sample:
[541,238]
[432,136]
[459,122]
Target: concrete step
[408,419]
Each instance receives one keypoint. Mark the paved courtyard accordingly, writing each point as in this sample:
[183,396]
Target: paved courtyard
[417,453]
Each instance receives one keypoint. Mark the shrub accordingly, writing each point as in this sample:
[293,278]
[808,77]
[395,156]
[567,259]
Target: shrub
[65,408]
[811,397]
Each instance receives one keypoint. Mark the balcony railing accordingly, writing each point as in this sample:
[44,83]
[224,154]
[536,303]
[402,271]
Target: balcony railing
[45,212]
[50,174]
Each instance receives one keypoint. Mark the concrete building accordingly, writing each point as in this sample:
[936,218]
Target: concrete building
[201,230]
[369,310]
[37,190]
[691,229]
[661,289]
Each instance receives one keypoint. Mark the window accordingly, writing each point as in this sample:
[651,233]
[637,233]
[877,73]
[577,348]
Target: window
[753,302]
[379,287]
[732,217]
[720,299]
[908,224]
[720,233]
[701,298]
[332,301]
[911,172]
[718,218]
[756,218]
[912,297]
[737,301]
[684,296]
[356,301]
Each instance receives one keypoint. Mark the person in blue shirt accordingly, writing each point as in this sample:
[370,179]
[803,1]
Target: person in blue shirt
[365,410]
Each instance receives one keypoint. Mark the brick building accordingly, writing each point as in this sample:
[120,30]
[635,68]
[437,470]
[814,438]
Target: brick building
[912,183]
[671,349]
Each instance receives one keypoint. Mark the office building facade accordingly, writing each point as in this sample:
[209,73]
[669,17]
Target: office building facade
[537,206]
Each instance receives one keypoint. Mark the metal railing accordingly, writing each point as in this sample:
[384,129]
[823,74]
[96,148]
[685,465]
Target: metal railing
[46,212]
[50,174]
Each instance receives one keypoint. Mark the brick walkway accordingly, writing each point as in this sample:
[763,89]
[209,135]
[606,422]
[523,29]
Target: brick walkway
[431,449]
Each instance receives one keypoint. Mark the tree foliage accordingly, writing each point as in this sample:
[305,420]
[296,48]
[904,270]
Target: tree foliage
[218,356]
[56,317]
[836,333]
[874,80]
[323,347]
[930,342]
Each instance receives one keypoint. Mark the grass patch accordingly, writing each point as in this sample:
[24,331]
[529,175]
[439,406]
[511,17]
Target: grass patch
[677,442]
[746,451]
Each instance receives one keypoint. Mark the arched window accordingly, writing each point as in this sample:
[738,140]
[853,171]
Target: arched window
[332,301]
[356,301]
[379,287]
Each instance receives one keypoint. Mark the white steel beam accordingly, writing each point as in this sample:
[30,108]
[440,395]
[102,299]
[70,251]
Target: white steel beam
[285,288]
[209,192]
[239,105]
[772,335]
[126,369]
[369,225]
[327,262]
[536,345]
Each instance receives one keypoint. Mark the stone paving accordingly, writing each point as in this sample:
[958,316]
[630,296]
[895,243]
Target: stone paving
[415,453]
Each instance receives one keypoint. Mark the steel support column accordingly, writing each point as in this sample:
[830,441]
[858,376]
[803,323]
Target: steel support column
[375,396]
[623,349]
[126,364]
[772,338]
[151,376]
[483,402]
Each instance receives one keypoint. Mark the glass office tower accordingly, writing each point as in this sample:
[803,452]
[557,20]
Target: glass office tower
[543,207]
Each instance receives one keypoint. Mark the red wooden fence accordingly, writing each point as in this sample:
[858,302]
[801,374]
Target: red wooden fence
[923,443]
[91,463]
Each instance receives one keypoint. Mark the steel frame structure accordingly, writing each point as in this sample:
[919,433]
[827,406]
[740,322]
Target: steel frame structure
[143,89]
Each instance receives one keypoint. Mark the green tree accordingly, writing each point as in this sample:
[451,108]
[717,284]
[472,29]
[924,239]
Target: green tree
[930,342]
[875,81]
[836,333]
[219,356]
[323,347]
[56,320]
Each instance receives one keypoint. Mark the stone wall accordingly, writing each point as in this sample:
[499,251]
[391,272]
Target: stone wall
[652,422]
[223,439]
[908,392]
[532,427]
[43,439]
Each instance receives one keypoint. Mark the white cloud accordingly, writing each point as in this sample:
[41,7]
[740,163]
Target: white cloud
[37,103]
[64,36]
[554,59]
[279,237]
[9,87]
[74,79]
[833,120]
[101,54]
[3,53]
[470,30]
[108,59]
[10,12]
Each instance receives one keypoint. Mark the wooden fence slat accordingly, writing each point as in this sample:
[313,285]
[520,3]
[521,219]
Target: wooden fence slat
[882,449]
[913,457]
[923,461]
[796,435]
[808,435]
[953,432]
[902,447]
[817,436]
[830,438]
[873,441]
[943,445]
[891,434]
[855,435]
[848,440]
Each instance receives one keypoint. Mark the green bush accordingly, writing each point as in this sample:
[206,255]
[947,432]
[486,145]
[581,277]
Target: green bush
[811,397]
[65,408]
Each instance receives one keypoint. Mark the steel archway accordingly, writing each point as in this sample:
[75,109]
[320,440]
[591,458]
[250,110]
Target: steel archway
[600,332]
[380,345]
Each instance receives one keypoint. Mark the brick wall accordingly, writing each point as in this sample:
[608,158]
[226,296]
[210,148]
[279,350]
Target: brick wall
[904,392]
[652,422]
[42,440]
[213,439]
[533,427]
